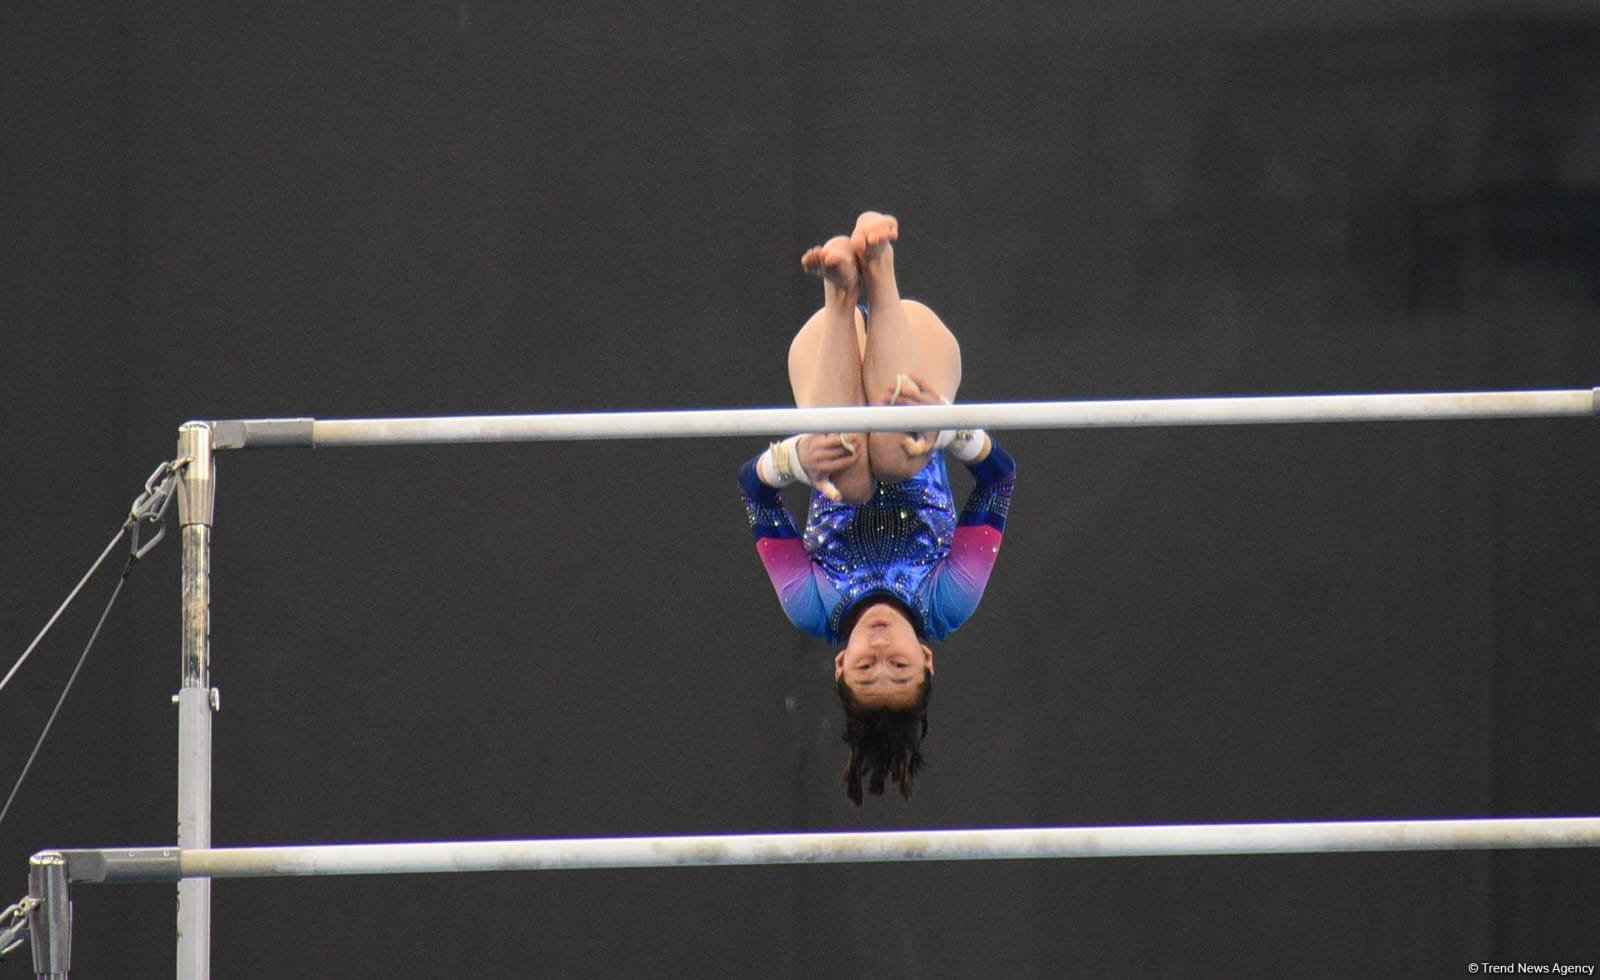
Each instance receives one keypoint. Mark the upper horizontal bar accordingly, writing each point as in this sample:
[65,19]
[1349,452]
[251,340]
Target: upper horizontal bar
[311,433]
[839,848]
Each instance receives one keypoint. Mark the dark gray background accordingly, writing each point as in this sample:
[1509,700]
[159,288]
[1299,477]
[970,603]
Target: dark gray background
[225,211]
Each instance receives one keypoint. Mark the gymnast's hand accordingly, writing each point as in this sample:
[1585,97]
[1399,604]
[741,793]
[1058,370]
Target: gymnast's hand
[824,455]
[910,389]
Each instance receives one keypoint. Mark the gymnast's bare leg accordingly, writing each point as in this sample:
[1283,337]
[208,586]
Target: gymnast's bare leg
[910,356]
[825,370]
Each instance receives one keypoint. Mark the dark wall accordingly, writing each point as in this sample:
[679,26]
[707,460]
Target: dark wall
[462,208]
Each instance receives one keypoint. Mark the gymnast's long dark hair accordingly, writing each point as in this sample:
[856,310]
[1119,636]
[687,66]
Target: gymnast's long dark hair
[884,743]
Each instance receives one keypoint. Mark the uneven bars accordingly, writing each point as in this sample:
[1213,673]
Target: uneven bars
[308,433]
[169,864]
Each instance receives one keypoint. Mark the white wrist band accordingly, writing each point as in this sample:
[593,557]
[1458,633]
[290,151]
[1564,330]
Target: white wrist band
[965,444]
[780,465]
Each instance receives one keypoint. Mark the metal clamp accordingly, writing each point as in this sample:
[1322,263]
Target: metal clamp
[14,925]
[151,506]
[215,699]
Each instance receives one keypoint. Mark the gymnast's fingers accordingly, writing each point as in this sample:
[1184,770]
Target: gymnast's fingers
[918,390]
[830,448]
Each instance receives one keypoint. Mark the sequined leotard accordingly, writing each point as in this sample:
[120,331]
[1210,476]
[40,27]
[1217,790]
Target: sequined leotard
[906,542]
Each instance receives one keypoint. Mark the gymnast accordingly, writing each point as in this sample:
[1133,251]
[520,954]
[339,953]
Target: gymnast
[884,564]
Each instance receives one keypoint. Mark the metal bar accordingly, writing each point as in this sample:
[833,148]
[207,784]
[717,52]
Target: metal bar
[195,699]
[123,864]
[312,433]
[919,845]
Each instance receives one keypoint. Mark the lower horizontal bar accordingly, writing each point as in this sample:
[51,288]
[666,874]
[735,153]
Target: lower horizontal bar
[839,848]
[309,433]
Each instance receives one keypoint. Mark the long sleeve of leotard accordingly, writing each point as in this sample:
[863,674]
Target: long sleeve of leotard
[783,553]
[962,576]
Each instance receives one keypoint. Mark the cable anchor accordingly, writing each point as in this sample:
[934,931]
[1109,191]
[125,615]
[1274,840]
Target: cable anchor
[14,925]
[151,505]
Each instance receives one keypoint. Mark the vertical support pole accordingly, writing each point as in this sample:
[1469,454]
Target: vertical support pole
[196,700]
[50,920]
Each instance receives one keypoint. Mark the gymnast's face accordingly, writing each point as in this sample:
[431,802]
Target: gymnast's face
[883,663]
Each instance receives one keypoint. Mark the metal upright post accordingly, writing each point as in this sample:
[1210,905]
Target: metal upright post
[196,700]
[50,916]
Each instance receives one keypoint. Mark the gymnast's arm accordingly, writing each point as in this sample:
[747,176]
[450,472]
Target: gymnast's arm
[782,551]
[980,529]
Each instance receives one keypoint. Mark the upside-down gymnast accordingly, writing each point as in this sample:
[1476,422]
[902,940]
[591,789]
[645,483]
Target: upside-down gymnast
[884,564]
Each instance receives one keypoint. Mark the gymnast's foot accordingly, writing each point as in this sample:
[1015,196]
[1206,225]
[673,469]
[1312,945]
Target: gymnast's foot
[873,234]
[835,263]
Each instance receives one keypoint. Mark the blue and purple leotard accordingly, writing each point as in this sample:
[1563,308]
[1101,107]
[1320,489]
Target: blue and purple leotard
[906,543]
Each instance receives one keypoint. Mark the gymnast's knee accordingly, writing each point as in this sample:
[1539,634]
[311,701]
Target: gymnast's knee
[890,461]
[857,483]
